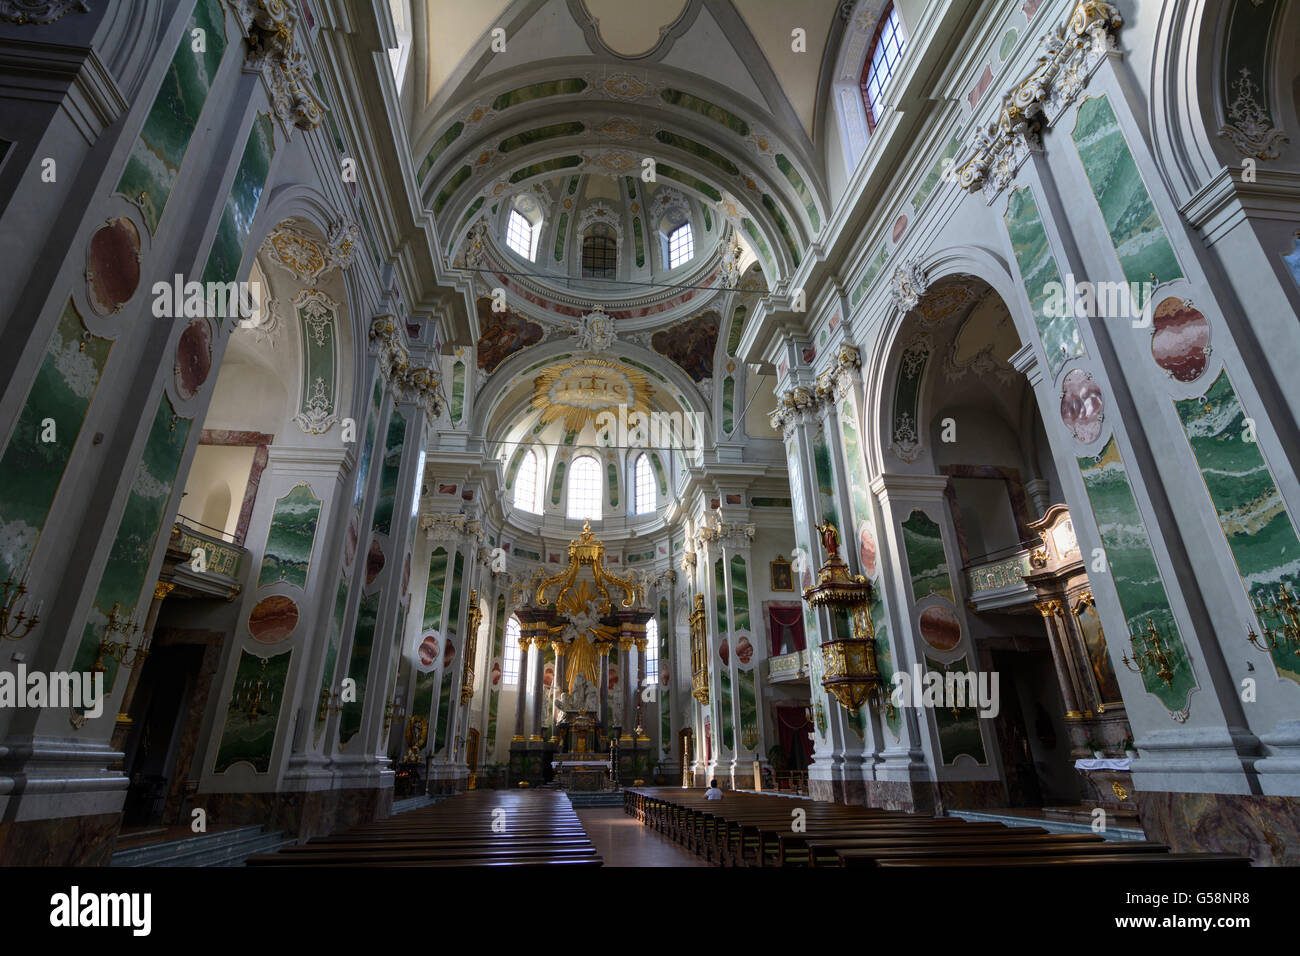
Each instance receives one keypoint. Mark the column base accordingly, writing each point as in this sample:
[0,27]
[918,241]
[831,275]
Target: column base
[1267,829]
[60,841]
[300,813]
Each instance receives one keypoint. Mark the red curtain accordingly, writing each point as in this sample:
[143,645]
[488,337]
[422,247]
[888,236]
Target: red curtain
[781,618]
[793,726]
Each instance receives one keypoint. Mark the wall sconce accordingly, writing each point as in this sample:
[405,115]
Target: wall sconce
[126,655]
[393,710]
[14,622]
[1284,606]
[255,698]
[1148,651]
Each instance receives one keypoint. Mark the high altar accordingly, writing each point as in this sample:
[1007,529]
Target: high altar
[575,614]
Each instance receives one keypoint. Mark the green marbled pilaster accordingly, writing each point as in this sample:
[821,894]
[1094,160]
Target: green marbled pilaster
[252,742]
[960,733]
[1126,207]
[393,445]
[241,206]
[290,538]
[926,560]
[739,593]
[155,159]
[1133,568]
[1040,275]
[31,469]
[728,404]
[1248,504]
[363,639]
[332,649]
[724,707]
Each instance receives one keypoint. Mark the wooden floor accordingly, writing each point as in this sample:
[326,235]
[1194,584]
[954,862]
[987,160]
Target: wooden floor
[622,841]
[745,829]
[479,828]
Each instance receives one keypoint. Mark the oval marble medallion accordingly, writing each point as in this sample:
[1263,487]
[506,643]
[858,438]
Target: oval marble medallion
[428,650]
[193,358]
[1180,343]
[867,549]
[112,265]
[1081,406]
[273,619]
[940,628]
[744,650]
[724,651]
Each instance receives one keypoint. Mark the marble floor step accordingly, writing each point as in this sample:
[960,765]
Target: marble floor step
[157,851]
[223,848]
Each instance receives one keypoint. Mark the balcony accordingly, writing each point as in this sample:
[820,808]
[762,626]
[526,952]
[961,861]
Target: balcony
[788,667]
[223,561]
[996,582]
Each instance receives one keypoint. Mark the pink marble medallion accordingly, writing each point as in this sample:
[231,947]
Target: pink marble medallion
[900,227]
[428,650]
[1181,341]
[867,549]
[273,619]
[374,561]
[112,265]
[1081,405]
[744,650]
[940,628]
[193,358]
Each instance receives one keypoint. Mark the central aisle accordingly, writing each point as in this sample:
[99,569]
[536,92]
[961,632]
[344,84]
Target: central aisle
[621,840]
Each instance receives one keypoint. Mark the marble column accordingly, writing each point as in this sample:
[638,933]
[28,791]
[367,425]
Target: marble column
[540,641]
[521,697]
[558,647]
[627,691]
[638,693]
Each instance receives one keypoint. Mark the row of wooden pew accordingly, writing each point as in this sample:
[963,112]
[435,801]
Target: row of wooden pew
[478,828]
[744,829]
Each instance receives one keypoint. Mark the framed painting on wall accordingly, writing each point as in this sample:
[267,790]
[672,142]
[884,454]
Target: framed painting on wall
[782,575]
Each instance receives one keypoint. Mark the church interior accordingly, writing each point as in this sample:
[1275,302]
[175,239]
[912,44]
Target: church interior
[578,431]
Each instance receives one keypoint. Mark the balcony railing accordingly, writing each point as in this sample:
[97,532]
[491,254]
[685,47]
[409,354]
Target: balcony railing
[793,666]
[998,580]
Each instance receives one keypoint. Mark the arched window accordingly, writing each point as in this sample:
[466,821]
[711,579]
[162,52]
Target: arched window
[681,246]
[644,482]
[510,666]
[526,484]
[651,652]
[584,488]
[882,57]
[520,235]
[599,252]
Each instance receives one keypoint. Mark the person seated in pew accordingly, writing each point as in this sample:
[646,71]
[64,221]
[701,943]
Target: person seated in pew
[713,793]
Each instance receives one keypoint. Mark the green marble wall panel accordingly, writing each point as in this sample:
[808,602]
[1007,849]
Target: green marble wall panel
[316,404]
[697,149]
[737,327]
[926,560]
[1126,207]
[686,179]
[363,640]
[801,190]
[544,167]
[826,509]
[935,173]
[290,538]
[658,466]
[728,404]
[665,690]
[611,474]
[865,545]
[448,137]
[1040,275]
[31,470]
[389,468]
[959,733]
[561,235]
[705,108]
[874,266]
[765,502]
[332,650]
[434,589]
[720,598]
[252,741]
[155,159]
[422,697]
[452,631]
[639,239]
[133,547]
[457,392]
[791,243]
[470,212]
[536,91]
[728,721]
[1133,568]
[541,134]
[368,444]
[456,180]
[739,593]
[1248,504]
[496,660]
[241,205]
[747,704]
[557,483]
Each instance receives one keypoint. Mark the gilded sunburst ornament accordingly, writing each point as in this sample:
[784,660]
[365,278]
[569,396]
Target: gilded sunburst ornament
[578,392]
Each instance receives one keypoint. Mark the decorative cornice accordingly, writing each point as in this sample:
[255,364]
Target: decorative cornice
[308,259]
[269,27]
[1071,54]
[410,384]
[907,285]
[443,527]
[798,404]
[729,536]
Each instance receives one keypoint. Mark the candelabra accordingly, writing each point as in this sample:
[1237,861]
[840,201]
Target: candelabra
[393,710]
[1149,651]
[126,654]
[254,698]
[14,622]
[1286,634]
